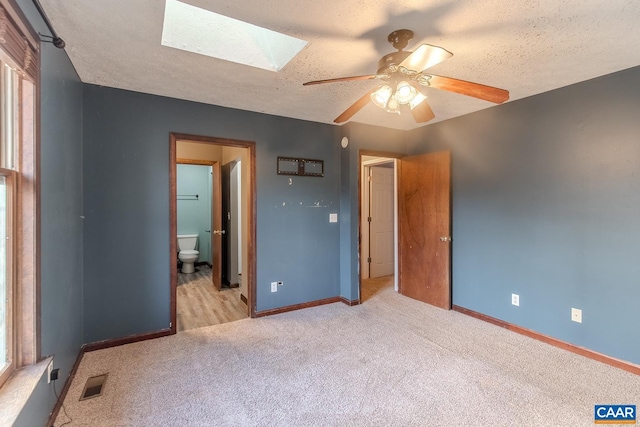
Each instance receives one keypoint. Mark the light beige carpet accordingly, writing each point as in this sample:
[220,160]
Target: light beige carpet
[392,361]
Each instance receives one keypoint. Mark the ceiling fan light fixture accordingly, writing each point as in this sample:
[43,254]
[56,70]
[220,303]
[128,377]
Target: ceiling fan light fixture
[382,96]
[417,100]
[393,106]
[405,93]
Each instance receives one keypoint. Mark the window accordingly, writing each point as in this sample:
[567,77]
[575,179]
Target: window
[18,191]
[9,106]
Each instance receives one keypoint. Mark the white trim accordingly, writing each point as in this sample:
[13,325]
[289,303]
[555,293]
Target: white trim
[395,224]
[378,161]
[364,241]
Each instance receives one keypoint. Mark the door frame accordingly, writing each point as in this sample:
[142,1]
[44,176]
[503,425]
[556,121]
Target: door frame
[250,211]
[366,200]
[387,155]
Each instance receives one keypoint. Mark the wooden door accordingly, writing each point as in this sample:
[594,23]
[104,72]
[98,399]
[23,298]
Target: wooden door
[216,227]
[381,222]
[424,228]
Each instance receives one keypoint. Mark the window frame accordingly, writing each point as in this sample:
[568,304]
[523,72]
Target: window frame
[24,181]
[10,273]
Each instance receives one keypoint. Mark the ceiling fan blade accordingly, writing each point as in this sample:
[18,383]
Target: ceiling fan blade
[424,57]
[357,106]
[422,113]
[340,79]
[487,93]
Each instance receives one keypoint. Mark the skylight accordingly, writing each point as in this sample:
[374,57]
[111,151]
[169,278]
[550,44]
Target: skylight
[200,31]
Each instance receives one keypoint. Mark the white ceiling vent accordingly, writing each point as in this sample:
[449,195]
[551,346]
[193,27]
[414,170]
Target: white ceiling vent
[200,31]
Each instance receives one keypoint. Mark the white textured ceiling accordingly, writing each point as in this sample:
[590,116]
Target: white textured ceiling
[524,46]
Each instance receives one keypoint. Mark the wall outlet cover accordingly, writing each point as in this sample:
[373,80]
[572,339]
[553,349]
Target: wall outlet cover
[576,315]
[274,286]
[515,299]
[333,217]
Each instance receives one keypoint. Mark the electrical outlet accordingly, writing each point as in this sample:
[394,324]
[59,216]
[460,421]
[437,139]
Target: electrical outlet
[576,315]
[49,370]
[515,299]
[274,286]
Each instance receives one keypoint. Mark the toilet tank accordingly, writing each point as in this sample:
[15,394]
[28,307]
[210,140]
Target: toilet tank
[187,242]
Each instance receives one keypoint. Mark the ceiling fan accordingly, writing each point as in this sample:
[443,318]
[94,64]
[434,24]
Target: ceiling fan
[404,74]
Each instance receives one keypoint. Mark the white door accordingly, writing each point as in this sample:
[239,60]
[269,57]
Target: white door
[381,224]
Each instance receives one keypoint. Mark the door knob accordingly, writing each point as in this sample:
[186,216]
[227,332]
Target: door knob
[218,231]
[445,239]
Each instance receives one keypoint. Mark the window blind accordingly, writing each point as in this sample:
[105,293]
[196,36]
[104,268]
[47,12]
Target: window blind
[18,42]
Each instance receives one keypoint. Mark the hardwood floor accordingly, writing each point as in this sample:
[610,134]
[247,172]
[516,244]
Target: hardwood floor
[200,304]
[370,287]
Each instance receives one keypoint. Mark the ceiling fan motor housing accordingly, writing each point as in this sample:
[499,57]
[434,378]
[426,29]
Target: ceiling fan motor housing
[391,60]
[400,38]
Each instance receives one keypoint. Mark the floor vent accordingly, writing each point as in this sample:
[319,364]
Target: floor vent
[93,387]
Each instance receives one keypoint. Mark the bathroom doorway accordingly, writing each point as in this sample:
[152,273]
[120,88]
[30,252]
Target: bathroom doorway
[196,201]
[213,178]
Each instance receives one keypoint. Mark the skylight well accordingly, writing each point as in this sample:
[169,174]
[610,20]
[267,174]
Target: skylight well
[207,33]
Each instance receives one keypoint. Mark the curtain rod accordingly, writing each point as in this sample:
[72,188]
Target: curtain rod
[57,41]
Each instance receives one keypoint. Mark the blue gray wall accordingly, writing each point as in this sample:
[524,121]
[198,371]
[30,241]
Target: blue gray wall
[61,223]
[194,214]
[546,195]
[126,196]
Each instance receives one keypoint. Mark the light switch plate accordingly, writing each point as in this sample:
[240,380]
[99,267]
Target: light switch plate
[333,217]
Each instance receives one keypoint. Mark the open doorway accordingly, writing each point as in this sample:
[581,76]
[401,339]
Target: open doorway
[378,223]
[212,222]
[421,226]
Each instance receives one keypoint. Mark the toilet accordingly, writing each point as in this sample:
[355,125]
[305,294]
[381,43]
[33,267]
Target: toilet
[188,254]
